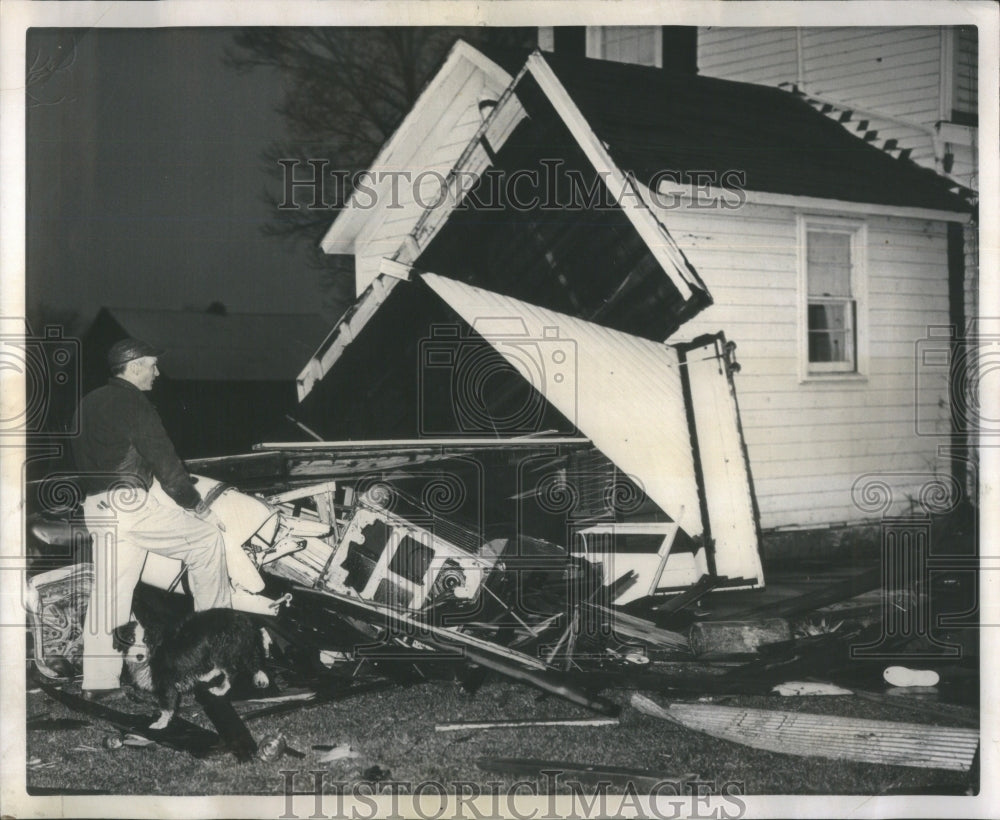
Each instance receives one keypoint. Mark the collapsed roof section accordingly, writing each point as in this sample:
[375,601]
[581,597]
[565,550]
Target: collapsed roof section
[533,206]
[622,392]
[455,361]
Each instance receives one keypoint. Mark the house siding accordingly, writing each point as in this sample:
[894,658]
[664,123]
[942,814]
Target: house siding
[809,442]
[895,70]
[966,97]
[758,55]
[914,74]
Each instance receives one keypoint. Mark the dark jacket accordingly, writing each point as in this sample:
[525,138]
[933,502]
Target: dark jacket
[122,439]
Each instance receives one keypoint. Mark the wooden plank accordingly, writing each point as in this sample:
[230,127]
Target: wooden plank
[815,599]
[629,626]
[228,723]
[509,662]
[524,724]
[303,492]
[685,599]
[181,734]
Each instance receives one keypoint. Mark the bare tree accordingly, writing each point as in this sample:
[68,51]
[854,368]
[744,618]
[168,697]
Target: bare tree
[347,91]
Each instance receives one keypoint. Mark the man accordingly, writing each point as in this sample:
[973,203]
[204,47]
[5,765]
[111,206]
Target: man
[138,490]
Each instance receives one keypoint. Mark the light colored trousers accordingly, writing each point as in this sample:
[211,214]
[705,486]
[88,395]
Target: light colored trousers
[125,526]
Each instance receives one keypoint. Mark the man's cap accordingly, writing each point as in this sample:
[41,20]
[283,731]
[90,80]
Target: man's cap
[128,349]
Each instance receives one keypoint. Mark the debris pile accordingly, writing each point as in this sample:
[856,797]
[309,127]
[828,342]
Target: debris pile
[368,586]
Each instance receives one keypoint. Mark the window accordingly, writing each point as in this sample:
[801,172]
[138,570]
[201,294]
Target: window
[626,44]
[832,290]
[965,89]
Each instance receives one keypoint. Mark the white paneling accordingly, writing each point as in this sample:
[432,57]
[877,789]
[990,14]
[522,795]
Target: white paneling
[764,55]
[437,150]
[809,441]
[890,72]
[720,452]
[622,392]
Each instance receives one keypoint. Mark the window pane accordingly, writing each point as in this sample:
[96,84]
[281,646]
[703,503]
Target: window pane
[831,336]
[630,44]
[828,258]
[827,317]
[826,346]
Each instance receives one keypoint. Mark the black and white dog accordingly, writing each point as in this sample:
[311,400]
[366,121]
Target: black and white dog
[210,648]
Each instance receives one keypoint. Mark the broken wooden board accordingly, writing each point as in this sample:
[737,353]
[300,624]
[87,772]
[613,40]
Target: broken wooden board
[630,627]
[678,602]
[308,700]
[525,724]
[737,637]
[233,732]
[840,738]
[508,662]
[181,735]
[641,780]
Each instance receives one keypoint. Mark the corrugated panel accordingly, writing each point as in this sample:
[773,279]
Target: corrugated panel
[622,392]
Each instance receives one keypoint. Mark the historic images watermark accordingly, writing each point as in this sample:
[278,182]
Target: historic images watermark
[49,364]
[522,799]
[311,184]
[967,365]
[458,371]
[916,510]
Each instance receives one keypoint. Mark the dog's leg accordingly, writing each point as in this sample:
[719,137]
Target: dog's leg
[169,701]
[214,673]
[263,652]
[166,715]
[221,688]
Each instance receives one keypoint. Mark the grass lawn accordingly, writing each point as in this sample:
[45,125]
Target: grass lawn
[394,730]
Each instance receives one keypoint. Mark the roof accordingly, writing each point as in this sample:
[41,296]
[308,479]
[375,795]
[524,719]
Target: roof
[398,150]
[202,346]
[654,120]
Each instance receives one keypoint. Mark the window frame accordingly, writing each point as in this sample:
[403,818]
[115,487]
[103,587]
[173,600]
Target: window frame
[596,44]
[857,231]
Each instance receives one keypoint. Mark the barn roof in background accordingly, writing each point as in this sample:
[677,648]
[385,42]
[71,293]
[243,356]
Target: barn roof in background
[203,346]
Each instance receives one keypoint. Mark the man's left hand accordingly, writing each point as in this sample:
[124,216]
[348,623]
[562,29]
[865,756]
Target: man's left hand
[207,514]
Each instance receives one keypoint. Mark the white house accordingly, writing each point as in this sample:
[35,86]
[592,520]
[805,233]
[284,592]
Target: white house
[912,91]
[698,205]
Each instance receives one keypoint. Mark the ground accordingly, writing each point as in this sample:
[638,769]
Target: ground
[394,729]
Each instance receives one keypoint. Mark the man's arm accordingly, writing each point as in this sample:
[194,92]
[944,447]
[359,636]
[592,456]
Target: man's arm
[151,440]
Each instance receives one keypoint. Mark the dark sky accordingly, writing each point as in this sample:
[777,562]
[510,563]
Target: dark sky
[145,177]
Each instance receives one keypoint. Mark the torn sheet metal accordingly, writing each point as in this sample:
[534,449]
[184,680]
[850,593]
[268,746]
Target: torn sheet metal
[867,741]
